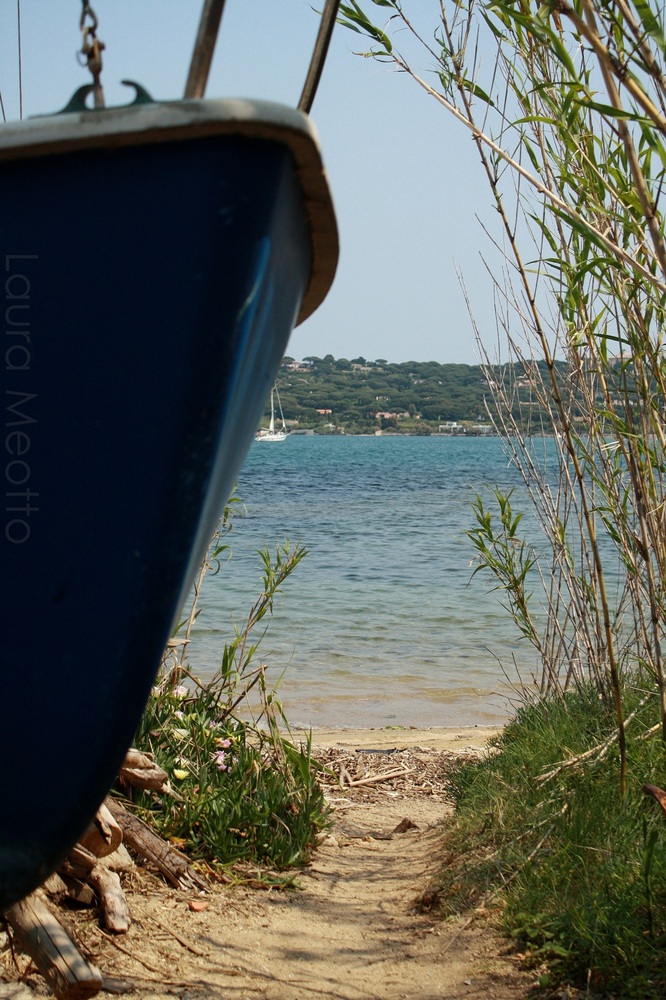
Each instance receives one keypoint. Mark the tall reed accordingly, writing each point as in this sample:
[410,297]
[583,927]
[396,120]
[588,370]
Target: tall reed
[567,106]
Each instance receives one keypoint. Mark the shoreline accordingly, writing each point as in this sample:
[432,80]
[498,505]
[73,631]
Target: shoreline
[384,738]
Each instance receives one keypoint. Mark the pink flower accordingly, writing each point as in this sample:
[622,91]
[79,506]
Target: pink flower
[220,759]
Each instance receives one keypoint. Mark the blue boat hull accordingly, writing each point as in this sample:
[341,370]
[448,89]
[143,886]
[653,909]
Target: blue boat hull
[149,296]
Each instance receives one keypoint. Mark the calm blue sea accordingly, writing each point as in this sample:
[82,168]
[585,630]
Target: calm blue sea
[382,623]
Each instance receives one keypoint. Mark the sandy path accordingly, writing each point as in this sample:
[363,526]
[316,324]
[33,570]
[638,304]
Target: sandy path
[352,931]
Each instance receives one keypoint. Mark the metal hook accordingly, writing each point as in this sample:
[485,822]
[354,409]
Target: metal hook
[77,102]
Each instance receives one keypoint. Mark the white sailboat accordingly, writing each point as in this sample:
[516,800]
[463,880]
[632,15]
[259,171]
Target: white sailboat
[271,434]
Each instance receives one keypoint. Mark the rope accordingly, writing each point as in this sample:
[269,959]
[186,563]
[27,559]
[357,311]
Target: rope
[20,61]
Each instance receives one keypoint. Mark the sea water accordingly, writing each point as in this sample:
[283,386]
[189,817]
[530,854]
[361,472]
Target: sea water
[383,622]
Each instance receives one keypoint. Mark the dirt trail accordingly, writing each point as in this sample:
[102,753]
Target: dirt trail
[353,930]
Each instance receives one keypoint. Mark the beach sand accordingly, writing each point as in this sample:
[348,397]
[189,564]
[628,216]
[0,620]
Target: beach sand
[453,738]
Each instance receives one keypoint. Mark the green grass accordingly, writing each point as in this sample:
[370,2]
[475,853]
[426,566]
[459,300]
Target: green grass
[579,871]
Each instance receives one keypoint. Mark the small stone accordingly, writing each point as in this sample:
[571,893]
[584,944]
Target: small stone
[197,905]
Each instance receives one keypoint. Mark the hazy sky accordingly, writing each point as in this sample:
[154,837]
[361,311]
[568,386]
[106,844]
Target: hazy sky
[406,182]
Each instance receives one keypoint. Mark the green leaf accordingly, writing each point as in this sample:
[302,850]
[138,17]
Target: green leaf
[650,23]
[477,91]
[356,16]
[562,54]
[611,112]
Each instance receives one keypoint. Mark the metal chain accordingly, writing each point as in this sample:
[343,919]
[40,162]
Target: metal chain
[91,50]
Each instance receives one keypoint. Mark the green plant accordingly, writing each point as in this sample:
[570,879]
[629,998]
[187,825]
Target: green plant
[242,790]
[509,558]
[650,839]
[577,874]
[241,793]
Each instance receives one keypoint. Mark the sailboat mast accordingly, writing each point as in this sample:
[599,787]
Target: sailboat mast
[272,423]
[284,426]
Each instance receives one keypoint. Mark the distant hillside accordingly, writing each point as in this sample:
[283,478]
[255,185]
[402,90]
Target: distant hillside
[361,397]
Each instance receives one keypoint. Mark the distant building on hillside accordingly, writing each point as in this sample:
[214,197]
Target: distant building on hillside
[299,366]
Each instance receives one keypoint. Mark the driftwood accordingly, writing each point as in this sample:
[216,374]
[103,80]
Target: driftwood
[138,835]
[119,861]
[374,779]
[90,870]
[63,884]
[103,836]
[79,862]
[62,965]
[55,886]
[115,909]
[84,866]
[78,890]
[139,769]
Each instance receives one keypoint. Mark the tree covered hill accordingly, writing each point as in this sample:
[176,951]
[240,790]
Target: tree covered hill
[332,395]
